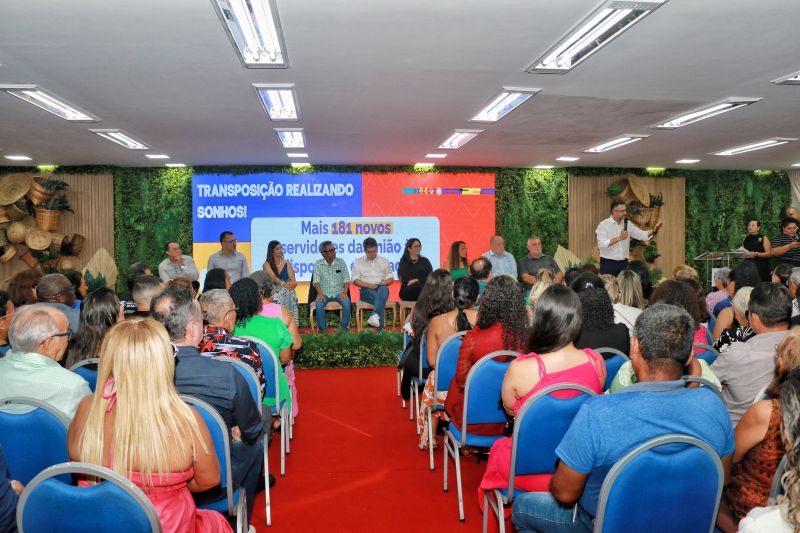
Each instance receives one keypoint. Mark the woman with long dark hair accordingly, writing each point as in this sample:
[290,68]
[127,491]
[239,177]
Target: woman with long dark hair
[641,269]
[281,272]
[598,329]
[457,262]
[216,278]
[413,271]
[101,310]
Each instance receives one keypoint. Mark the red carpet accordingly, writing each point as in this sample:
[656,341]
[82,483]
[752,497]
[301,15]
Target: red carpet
[355,465]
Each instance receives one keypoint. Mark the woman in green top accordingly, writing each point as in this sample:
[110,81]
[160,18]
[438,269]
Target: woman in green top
[268,330]
[457,262]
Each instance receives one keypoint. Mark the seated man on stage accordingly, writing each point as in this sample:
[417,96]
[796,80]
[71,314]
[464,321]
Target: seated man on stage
[613,239]
[373,274]
[176,265]
[531,263]
[331,280]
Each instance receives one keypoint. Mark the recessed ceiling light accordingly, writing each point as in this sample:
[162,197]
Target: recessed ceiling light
[615,143]
[291,137]
[279,100]
[544,167]
[436,156]
[424,165]
[300,165]
[702,113]
[458,139]
[121,138]
[567,158]
[254,28]
[49,102]
[17,157]
[595,31]
[760,145]
[156,156]
[505,102]
[687,161]
[796,164]
[296,154]
[175,165]
[789,79]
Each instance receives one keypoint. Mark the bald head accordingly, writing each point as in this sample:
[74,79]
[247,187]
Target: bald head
[497,244]
[33,329]
[55,288]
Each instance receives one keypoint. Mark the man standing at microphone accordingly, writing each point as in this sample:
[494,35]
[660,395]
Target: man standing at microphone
[613,239]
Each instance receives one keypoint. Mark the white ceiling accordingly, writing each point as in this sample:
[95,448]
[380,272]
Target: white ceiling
[384,83]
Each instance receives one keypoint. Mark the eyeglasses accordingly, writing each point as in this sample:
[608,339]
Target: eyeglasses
[329,250]
[230,241]
[67,334]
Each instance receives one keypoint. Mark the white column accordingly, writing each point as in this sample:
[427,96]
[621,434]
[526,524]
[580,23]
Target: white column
[794,183]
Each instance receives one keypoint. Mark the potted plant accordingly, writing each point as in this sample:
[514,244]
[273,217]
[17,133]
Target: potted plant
[19,209]
[43,189]
[48,215]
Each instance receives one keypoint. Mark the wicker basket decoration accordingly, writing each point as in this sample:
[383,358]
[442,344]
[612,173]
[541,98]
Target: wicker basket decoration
[38,239]
[47,219]
[13,187]
[4,218]
[38,194]
[7,253]
[24,253]
[3,239]
[58,242]
[17,231]
[75,246]
[66,263]
[18,210]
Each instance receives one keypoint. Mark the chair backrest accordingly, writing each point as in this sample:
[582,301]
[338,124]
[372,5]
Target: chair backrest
[539,427]
[703,382]
[89,374]
[482,403]
[709,354]
[613,364]
[423,353]
[115,504]
[776,488]
[222,444]
[446,359]
[32,440]
[675,481]
[253,384]
[271,367]
[761,394]
[712,321]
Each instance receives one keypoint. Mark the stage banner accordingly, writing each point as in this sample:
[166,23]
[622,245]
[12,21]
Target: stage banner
[302,210]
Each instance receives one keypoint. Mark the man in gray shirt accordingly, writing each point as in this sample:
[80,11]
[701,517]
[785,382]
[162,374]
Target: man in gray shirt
[176,265]
[531,263]
[228,259]
[747,367]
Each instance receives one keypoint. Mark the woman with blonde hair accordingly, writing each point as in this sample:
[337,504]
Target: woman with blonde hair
[137,425]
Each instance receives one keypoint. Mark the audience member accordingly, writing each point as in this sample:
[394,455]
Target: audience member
[607,427]
[629,303]
[101,310]
[144,289]
[530,265]
[794,281]
[571,274]
[135,270]
[586,280]
[177,265]
[7,308]
[641,269]
[680,293]
[78,283]
[501,325]
[721,286]
[39,335]
[703,315]
[215,382]
[552,359]
[413,270]
[748,366]
[781,274]
[169,456]
[186,283]
[759,446]
[536,292]
[275,310]
[373,275]
[481,270]
[10,489]
[598,329]
[786,246]
[216,278]
[503,263]
[331,280]
[682,272]
[740,331]
[457,262]
[759,247]
[56,291]
[743,275]
[22,287]
[281,273]
[228,259]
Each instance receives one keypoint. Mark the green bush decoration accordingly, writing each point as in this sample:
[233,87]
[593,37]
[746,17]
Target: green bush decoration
[93,283]
[350,349]
[650,253]
[52,186]
[58,203]
[615,189]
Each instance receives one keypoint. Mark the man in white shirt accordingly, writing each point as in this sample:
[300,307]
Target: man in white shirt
[373,275]
[176,265]
[614,239]
[503,263]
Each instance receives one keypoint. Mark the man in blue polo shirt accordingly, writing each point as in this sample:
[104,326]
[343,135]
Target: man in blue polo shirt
[607,427]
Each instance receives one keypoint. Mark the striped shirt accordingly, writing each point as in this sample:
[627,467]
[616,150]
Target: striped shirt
[790,256]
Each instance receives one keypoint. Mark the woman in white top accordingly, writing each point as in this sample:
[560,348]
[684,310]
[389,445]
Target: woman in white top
[625,292]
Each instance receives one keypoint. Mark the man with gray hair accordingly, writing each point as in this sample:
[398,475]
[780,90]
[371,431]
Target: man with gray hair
[721,276]
[39,336]
[56,291]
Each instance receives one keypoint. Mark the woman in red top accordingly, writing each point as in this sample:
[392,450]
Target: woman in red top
[501,325]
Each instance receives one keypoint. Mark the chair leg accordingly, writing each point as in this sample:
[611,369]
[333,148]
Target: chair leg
[501,515]
[411,403]
[398,383]
[457,458]
[359,318]
[283,449]
[430,436]
[286,430]
[268,509]
[486,504]
[445,458]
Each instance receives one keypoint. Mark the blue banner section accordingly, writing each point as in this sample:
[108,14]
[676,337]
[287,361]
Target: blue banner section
[227,202]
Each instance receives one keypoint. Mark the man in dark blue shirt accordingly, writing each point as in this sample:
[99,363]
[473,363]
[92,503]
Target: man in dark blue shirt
[9,491]
[216,383]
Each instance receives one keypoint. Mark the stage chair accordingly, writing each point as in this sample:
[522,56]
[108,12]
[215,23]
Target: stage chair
[255,391]
[777,487]
[444,372]
[540,425]
[661,476]
[234,501]
[482,405]
[709,355]
[115,504]
[361,306]
[89,374]
[613,364]
[33,435]
[405,308]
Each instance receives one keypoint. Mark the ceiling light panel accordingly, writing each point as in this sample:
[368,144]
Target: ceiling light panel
[296,154]
[687,161]
[604,24]
[156,156]
[291,137]
[18,157]
[615,143]
[503,103]
[175,165]
[458,139]
[436,156]
[279,101]
[789,79]
[567,158]
[255,30]
[702,113]
[760,145]
[49,102]
[121,138]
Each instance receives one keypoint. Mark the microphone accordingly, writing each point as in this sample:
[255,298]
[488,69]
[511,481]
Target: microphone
[625,227]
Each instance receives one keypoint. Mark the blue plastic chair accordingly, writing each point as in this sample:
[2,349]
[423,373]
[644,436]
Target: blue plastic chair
[444,372]
[703,382]
[254,385]
[675,481]
[709,355]
[418,382]
[234,501]
[34,436]
[613,364]
[540,425]
[712,321]
[116,504]
[89,374]
[482,405]
[777,487]
[4,349]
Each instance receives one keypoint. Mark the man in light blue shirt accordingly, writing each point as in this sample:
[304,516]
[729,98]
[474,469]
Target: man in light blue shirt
[503,263]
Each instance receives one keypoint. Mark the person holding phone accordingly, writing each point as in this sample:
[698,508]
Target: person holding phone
[786,246]
[331,279]
[614,238]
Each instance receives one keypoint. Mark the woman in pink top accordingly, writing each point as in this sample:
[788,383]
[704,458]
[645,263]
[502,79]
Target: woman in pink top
[688,294]
[553,359]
